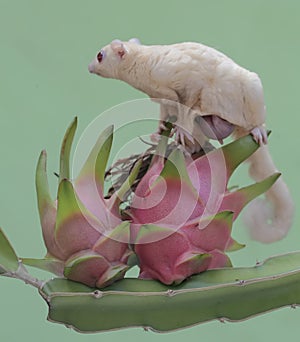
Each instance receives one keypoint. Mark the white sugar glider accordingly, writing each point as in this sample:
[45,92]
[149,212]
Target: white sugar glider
[220,95]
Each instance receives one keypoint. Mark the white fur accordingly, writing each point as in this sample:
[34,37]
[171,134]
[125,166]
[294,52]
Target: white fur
[269,219]
[208,82]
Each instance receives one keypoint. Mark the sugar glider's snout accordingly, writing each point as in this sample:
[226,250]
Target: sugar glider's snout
[91,68]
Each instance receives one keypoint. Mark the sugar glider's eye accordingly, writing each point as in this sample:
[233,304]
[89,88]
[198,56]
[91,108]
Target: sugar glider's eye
[100,56]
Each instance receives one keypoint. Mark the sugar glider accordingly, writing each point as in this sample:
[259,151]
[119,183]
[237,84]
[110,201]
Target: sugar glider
[210,96]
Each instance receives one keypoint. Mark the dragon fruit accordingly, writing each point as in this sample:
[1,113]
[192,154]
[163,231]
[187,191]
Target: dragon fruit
[182,211]
[177,223]
[86,239]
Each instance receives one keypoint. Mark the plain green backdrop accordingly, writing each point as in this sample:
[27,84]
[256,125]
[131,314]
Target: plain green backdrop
[45,47]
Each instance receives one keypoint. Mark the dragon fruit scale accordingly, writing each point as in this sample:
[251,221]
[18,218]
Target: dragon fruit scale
[86,239]
[182,211]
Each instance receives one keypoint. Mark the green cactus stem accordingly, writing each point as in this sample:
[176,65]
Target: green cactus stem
[226,294]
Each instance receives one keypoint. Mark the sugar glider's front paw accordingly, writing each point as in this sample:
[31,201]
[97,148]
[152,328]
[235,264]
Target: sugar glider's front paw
[260,135]
[155,137]
[162,127]
[186,141]
[182,136]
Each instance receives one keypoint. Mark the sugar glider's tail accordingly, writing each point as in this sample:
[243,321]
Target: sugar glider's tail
[269,219]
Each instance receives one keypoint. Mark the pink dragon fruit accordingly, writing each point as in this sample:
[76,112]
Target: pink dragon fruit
[182,211]
[86,239]
[181,214]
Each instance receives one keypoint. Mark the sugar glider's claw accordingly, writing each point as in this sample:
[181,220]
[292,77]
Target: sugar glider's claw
[182,136]
[155,137]
[162,126]
[260,135]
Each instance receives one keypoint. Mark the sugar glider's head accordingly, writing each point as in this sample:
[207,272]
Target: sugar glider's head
[109,60]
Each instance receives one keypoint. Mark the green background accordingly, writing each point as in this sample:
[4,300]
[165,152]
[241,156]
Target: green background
[45,48]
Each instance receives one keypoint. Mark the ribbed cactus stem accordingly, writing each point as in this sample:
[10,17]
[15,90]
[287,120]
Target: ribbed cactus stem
[232,294]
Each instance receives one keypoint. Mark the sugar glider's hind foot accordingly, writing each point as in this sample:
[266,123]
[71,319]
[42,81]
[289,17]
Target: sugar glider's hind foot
[260,135]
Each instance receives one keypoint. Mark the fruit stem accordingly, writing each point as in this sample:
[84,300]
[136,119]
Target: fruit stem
[22,274]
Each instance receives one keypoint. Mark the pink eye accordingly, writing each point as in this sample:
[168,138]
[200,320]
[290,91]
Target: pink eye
[100,56]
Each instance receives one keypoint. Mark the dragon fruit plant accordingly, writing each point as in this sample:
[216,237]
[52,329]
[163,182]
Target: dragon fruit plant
[85,236]
[176,225]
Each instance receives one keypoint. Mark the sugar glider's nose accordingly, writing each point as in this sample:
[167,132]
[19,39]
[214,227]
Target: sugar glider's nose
[91,68]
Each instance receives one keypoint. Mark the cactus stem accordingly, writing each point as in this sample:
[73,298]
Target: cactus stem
[23,275]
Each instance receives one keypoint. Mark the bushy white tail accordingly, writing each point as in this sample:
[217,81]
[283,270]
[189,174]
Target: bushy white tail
[268,219]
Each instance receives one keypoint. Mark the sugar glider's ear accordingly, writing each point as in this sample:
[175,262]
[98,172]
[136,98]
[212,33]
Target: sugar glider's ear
[118,48]
[135,41]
